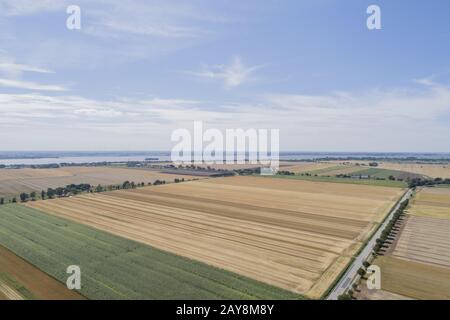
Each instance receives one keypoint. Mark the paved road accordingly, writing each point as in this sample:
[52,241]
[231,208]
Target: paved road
[346,280]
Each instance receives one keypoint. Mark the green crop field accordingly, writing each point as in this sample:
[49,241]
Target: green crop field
[325,170]
[370,182]
[117,268]
[379,173]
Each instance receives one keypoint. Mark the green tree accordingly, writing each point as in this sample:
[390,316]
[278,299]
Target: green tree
[24,196]
[14,200]
[43,195]
[2,201]
[345,296]
[60,191]
[33,195]
[50,193]
[361,272]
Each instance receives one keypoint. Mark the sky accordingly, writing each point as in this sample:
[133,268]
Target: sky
[138,70]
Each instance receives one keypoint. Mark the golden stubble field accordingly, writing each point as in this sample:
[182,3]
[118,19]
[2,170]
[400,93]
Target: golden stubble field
[15,181]
[297,235]
[431,170]
[419,264]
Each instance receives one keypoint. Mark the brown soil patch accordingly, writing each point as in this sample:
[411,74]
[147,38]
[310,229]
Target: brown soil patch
[38,283]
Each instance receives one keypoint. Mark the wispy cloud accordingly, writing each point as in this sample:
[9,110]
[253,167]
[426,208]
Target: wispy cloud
[14,70]
[403,119]
[232,75]
[19,84]
[12,75]
[28,7]
[111,19]
[145,28]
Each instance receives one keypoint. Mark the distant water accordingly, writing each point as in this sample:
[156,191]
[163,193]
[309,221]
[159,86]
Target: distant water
[42,157]
[36,158]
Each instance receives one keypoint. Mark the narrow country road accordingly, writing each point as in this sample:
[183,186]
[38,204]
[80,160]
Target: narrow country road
[347,279]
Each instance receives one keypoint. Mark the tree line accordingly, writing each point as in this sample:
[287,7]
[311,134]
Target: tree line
[418,182]
[74,189]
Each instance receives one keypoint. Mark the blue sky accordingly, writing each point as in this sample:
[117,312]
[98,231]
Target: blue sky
[137,70]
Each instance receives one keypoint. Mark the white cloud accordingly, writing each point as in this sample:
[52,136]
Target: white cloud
[146,29]
[13,72]
[19,84]
[15,68]
[377,120]
[28,7]
[149,18]
[232,75]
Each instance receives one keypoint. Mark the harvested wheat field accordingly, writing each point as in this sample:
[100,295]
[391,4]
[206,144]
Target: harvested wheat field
[430,170]
[426,234]
[426,240]
[297,235]
[418,266]
[15,181]
[432,202]
[414,279]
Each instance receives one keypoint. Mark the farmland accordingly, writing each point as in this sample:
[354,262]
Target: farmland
[413,279]
[431,170]
[368,182]
[304,167]
[358,170]
[116,268]
[425,239]
[432,202]
[21,280]
[15,181]
[417,264]
[386,173]
[293,234]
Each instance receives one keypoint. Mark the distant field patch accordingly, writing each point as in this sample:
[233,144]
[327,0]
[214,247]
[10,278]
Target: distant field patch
[116,268]
[15,181]
[368,182]
[306,167]
[341,170]
[294,234]
[430,170]
[379,173]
